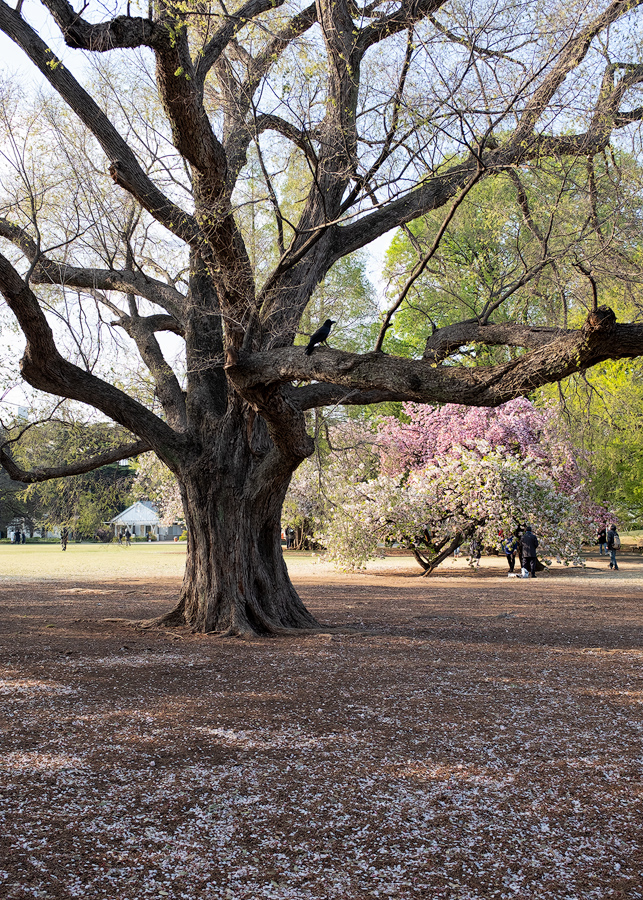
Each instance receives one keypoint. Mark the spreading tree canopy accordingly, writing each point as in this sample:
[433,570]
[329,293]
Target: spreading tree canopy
[202,168]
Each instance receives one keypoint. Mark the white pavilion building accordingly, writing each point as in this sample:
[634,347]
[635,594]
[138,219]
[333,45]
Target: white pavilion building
[142,519]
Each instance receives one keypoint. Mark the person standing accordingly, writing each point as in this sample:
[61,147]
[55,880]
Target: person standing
[613,544]
[528,545]
[510,547]
[290,537]
[602,540]
[476,552]
[128,538]
[64,537]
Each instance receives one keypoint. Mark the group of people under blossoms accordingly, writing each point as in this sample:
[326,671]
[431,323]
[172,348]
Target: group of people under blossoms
[522,545]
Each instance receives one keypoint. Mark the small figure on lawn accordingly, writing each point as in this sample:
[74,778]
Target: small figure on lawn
[476,552]
[528,545]
[510,546]
[602,540]
[613,544]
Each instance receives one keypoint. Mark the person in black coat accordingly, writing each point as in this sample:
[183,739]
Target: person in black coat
[510,547]
[528,545]
[602,540]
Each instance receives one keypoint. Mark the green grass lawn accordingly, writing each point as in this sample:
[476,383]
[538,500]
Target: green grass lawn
[91,562]
[100,562]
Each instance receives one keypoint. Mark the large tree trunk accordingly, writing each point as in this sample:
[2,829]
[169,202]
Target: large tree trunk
[236,581]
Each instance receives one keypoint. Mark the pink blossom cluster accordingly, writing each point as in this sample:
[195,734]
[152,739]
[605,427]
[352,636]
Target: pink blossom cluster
[516,429]
[434,433]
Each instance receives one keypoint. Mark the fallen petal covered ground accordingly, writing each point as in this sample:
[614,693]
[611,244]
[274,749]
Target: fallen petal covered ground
[466,736]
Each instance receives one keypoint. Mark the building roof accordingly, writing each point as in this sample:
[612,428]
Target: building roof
[138,513]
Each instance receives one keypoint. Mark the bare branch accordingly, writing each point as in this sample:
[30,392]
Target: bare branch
[273,200]
[238,132]
[124,167]
[88,464]
[271,122]
[232,25]
[44,368]
[46,271]
[570,58]
[472,45]
[587,273]
[423,263]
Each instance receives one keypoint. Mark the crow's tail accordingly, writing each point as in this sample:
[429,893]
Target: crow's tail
[309,349]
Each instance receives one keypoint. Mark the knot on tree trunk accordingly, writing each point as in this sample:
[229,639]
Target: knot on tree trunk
[599,321]
[231,358]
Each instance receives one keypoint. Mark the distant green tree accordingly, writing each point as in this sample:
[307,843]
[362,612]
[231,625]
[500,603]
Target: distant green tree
[12,504]
[83,502]
[604,412]
[530,246]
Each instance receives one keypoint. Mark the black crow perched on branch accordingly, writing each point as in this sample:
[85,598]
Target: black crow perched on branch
[320,336]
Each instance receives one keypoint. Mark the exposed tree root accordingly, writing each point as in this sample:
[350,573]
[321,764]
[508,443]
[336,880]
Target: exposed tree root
[160,622]
[280,631]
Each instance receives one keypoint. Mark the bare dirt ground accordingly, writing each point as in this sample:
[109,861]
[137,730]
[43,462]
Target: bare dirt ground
[475,737]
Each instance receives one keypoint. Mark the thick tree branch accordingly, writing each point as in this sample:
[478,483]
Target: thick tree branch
[120,32]
[437,190]
[423,382]
[44,368]
[430,195]
[183,103]
[570,58]
[627,118]
[239,132]
[157,322]
[168,389]
[448,340]
[410,11]
[89,464]
[522,146]
[311,396]
[271,122]
[47,271]
[232,25]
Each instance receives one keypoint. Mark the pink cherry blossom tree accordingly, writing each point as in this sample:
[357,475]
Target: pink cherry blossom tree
[455,474]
